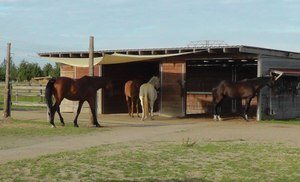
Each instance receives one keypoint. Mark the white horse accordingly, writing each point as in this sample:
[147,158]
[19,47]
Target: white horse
[148,95]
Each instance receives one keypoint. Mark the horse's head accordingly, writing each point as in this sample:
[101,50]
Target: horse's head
[109,87]
[155,81]
[272,79]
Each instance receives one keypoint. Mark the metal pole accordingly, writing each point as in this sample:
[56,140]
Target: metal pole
[7,94]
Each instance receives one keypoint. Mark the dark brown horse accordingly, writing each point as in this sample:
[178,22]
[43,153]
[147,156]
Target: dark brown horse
[245,89]
[82,89]
[131,91]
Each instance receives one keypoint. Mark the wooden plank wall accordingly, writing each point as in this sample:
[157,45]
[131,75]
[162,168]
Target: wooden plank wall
[172,98]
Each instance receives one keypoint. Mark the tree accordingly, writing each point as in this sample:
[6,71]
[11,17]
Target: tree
[2,71]
[28,70]
[13,70]
[56,70]
[47,70]
[36,70]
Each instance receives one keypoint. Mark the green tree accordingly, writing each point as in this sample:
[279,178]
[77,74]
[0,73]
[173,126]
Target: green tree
[56,70]
[2,70]
[47,70]
[27,70]
[36,70]
[13,70]
[24,71]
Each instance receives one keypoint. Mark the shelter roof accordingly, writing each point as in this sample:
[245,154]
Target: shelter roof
[81,58]
[162,51]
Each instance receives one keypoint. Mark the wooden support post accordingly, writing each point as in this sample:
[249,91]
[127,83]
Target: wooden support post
[91,71]
[91,56]
[7,89]
[41,95]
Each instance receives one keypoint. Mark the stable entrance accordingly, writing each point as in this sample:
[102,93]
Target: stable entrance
[203,76]
[120,73]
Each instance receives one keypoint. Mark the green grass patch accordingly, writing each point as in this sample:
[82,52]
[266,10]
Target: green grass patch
[162,161]
[23,128]
[21,133]
[289,121]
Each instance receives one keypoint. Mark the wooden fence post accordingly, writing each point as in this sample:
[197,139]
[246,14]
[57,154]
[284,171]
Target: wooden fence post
[41,94]
[7,89]
[91,71]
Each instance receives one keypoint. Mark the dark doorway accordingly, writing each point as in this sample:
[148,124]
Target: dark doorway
[120,73]
[203,76]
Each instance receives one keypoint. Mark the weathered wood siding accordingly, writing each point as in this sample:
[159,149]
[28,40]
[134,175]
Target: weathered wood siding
[277,106]
[172,96]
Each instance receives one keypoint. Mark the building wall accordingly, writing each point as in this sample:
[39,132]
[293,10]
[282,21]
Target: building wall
[172,94]
[272,106]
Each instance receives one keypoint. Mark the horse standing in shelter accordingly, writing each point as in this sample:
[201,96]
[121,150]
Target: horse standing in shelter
[131,91]
[82,89]
[245,89]
[148,95]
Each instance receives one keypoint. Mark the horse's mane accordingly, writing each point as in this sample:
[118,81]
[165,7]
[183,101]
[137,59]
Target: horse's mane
[153,80]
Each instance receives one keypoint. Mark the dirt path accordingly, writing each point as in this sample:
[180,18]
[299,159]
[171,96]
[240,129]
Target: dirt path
[121,129]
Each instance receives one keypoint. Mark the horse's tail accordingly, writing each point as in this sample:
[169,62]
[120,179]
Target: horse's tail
[146,105]
[49,92]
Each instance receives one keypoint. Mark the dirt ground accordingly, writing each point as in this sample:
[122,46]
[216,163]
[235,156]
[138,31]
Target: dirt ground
[122,129]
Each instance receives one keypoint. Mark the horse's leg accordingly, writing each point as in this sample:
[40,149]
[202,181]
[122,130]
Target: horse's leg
[218,110]
[52,113]
[143,110]
[132,107]
[137,106]
[151,108]
[60,117]
[93,109]
[248,101]
[128,105]
[78,112]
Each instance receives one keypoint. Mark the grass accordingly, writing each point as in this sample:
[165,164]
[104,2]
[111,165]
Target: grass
[290,121]
[161,161]
[18,133]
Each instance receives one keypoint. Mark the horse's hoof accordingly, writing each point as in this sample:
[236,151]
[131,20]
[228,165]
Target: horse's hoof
[76,125]
[53,126]
[98,125]
[62,124]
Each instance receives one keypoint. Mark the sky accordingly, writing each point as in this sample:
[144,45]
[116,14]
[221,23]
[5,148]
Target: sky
[34,26]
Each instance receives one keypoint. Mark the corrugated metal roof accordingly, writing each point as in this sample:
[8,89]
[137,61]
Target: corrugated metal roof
[161,51]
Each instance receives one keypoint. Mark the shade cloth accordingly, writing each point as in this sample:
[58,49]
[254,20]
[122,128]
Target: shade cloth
[115,58]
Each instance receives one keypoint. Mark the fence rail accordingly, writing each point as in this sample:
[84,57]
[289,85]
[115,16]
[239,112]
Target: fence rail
[26,94]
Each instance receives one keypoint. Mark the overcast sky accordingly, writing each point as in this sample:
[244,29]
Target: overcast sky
[34,26]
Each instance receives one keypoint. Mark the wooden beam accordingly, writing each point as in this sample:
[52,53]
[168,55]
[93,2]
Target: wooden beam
[7,89]
[230,50]
[214,50]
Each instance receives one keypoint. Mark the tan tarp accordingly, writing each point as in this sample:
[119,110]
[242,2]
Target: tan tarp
[115,58]
[78,62]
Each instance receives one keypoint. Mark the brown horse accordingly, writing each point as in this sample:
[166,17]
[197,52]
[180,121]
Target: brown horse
[131,91]
[82,89]
[244,89]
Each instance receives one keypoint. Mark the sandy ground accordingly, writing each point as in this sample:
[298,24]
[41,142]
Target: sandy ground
[122,129]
